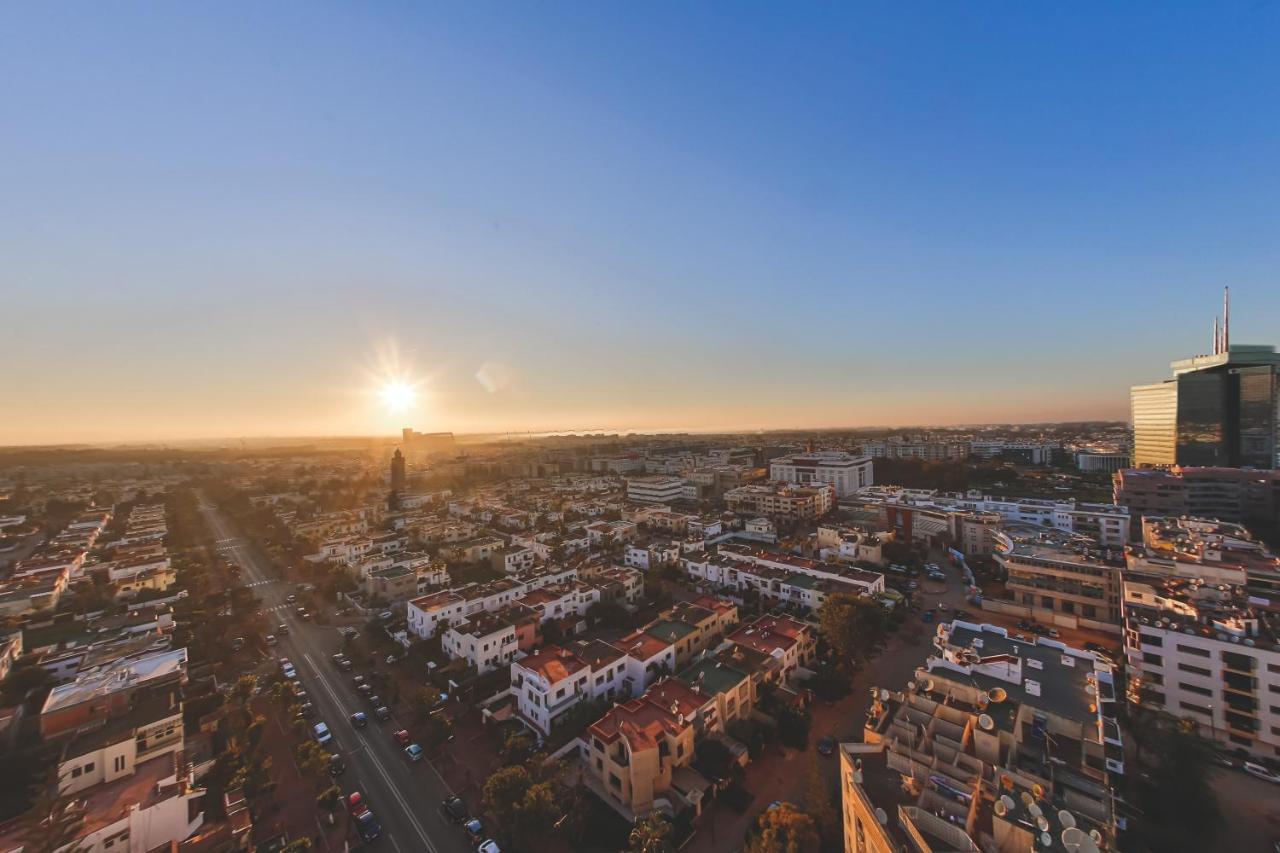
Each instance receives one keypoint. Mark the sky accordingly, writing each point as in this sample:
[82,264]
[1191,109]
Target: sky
[240,219]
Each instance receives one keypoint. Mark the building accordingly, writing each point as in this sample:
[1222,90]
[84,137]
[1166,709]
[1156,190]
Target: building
[845,472]
[1243,495]
[996,745]
[1206,550]
[782,502]
[486,641]
[1060,581]
[398,479]
[1100,462]
[1027,452]
[896,447]
[1218,410]
[792,644]
[1207,652]
[633,753]
[655,489]
[547,684]
[427,442]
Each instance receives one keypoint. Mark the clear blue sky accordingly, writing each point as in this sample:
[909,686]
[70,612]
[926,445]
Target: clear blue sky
[219,219]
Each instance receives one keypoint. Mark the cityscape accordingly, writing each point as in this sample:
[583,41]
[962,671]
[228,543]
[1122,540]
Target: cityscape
[421,433]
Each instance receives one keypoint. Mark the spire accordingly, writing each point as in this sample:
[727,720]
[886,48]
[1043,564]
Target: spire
[1226,319]
[1216,342]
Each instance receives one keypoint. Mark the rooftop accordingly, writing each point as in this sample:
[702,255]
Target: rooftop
[114,676]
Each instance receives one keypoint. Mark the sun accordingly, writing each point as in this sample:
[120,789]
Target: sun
[397,395]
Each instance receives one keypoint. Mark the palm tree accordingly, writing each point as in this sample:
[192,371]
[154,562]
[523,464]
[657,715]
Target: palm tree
[650,835]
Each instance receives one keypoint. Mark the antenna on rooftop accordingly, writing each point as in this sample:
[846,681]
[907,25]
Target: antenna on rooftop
[1226,319]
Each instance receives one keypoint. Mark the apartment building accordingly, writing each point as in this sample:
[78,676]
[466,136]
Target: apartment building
[1246,496]
[1205,549]
[656,489]
[792,644]
[1062,581]
[1208,652]
[996,745]
[429,613]
[633,753]
[782,502]
[845,473]
[486,641]
[548,683]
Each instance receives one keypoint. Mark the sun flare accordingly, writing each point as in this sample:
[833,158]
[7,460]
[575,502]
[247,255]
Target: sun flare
[397,395]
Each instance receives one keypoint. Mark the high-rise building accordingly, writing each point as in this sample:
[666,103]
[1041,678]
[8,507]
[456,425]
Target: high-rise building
[397,471]
[1221,409]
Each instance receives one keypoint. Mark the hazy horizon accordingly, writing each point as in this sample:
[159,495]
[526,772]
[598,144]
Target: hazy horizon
[240,219]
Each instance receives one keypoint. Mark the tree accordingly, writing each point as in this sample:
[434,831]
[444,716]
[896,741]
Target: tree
[503,791]
[312,760]
[793,726]
[650,834]
[784,829]
[817,802]
[423,701]
[537,812]
[852,625]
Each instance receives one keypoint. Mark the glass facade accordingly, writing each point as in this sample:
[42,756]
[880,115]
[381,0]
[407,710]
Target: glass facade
[1257,416]
[1202,419]
[1155,422]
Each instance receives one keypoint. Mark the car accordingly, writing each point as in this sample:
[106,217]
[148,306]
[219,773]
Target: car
[365,690]
[827,746]
[359,720]
[454,809]
[943,606]
[322,734]
[336,765]
[1053,632]
[488,846]
[414,752]
[1094,647]
[356,804]
[337,656]
[1261,772]
[367,825]
[284,662]
[1024,625]
[299,693]
[383,713]
[290,673]
[237,644]
[375,701]
[271,639]
[357,680]
[402,737]
[291,598]
[474,828]
[307,710]
[1222,760]
[345,664]
[913,584]
[385,616]
[962,614]
[926,616]
[303,614]
[282,630]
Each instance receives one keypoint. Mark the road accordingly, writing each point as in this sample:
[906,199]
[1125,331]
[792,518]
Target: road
[404,796]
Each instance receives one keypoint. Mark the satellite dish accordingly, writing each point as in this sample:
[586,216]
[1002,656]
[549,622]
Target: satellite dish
[997,694]
[884,694]
[1001,809]
[1067,819]
[1072,838]
[1035,810]
[882,817]
[1046,840]
[1042,823]
[985,722]
[1037,790]
[1007,801]
[926,685]
[1096,835]
[1090,689]
[1027,799]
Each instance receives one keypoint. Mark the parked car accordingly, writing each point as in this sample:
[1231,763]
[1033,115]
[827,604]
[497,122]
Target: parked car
[383,713]
[345,664]
[291,598]
[282,630]
[402,737]
[1261,772]
[827,746]
[356,803]
[303,614]
[367,825]
[454,809]
[375,701]
[962,614]
[322,734]
[927,616]
[271,639]
[357,680]
[488,846]
[307,710]
[237,644]
[336,765]
[359,720]
[414,752]
[474,828]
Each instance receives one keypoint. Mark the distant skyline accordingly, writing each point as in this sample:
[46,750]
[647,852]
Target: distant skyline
[239,220]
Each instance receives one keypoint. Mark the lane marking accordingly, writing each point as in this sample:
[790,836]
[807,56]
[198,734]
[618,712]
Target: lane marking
[377,763]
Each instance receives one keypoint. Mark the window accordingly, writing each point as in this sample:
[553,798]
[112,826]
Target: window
[1203,691]
[1193,669]
[1199,709]
[1153,658]
[1152,639]
[1192,650]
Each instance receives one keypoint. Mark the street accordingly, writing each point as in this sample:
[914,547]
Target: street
[404,796]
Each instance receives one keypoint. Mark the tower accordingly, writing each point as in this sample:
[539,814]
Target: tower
[397,471]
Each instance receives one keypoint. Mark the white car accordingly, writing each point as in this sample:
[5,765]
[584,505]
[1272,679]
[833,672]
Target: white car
[322,735]
[1260,771]
[489,846]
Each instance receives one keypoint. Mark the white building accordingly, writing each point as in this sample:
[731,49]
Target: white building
[485,640]
[547,684]
[655,489]
[847,473]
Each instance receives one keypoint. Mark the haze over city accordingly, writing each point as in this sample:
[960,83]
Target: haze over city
[242,220]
